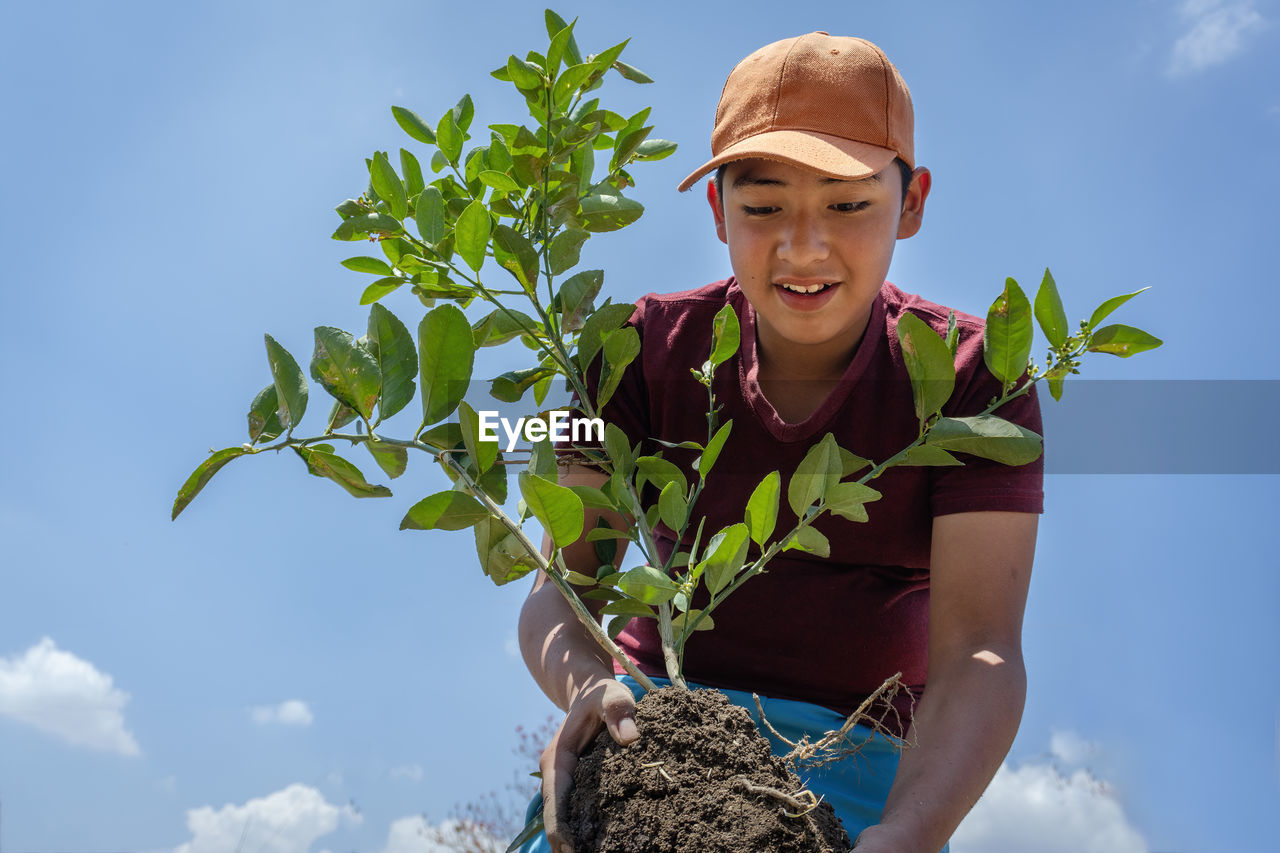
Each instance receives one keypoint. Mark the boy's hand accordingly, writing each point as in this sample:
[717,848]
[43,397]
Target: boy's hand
[605,701]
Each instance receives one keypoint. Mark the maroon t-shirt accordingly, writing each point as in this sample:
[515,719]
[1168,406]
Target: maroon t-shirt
[822,630]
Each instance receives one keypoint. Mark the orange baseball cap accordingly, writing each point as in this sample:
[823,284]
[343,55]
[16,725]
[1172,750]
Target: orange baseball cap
[832,104]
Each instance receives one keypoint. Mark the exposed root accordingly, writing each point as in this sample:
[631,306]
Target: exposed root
[834,745]
[802,802]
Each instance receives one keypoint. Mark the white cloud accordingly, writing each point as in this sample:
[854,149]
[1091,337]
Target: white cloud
[1040,807]
[415,835]
[287,821]
[294,712]
[1070,748]
[1216,31]
[66,696]
[412,772]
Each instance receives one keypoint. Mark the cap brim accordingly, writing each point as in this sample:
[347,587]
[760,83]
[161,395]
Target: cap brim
[827,155]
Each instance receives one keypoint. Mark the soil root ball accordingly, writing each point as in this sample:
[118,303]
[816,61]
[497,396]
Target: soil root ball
[700,778]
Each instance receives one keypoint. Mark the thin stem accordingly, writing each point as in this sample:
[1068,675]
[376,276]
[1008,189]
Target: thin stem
[556,573]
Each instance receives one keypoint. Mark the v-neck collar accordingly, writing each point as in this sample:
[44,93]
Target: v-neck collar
[749,372]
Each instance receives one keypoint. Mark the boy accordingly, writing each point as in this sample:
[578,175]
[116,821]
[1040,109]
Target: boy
[816,180]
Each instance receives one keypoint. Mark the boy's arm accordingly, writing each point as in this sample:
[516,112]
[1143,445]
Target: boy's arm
[976,686]
[570,667]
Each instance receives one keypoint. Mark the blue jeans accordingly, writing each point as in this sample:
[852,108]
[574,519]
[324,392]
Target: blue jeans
[856,787]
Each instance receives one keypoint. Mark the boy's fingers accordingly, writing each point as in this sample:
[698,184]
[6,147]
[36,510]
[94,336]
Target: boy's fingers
[620,714]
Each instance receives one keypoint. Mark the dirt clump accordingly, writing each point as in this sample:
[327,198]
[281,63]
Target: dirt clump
[700,778]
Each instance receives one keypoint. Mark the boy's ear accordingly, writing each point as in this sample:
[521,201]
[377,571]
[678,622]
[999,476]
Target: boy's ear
[717,211]
[913,205]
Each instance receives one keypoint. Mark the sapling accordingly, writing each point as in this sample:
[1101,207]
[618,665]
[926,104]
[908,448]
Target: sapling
[502,223]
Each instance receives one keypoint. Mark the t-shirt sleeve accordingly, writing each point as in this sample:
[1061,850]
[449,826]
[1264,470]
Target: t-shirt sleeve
[981,484]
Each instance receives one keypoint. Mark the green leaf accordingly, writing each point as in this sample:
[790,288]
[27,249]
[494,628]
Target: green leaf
[511,386]
[451,510]
[514,253]
[593,498]
[660,472]
[463,112]
[367,223]
[724,557]
[445,436]
[571,80]
[630,607]
[817,472]
[655,149]
[393,349]
[264,416]
[648,585]
[672,507]
[609,211]
[499,326]
[556,507]
[925,454]
[502,557]
[986,436]
[450,138]
[679,621]
[620,349]
[709,456]
[556,24]
[1006,341]
[1104,310]
[847,500]
[555,52]
[412,124]
[1123,341]
[619,449]
[542,459]
[390,458]
[605,58]
[446,355]
[851,463]
[566,248]
[386,183]
[604,321]
[323,462]
[430,216]
[1049,311]
[484,453]
[929,364]
[762,508]
[526,75]
[379,289]
[810,541]
[346,370]
[291,385]
[202,475]
[726,335]
[340,414]
[413,180]
[472,234]
[500,181]
[626,145]
[577,297]
[635,75]
[367,264]
[953,334]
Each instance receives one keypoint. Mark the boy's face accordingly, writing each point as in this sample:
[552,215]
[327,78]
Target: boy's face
[790,229]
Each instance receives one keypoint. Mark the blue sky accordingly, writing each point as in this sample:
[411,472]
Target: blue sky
[283,653]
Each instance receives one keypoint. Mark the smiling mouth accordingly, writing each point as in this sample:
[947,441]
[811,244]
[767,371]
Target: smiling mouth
[806,289]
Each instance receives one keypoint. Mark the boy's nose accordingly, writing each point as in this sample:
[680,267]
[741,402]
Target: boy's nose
[803,244]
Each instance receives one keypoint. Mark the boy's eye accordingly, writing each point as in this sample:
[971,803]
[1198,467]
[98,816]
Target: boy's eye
[757,211]
[849,206]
